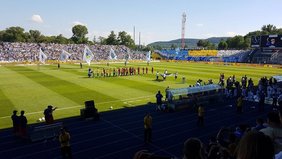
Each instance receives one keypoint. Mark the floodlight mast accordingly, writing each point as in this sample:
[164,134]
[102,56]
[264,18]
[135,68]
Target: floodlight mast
[183,30]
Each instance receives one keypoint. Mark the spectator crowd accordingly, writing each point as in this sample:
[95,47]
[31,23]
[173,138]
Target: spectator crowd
[22,52]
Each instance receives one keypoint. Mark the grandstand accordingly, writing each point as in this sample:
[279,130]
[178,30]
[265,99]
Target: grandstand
[206,55]
[176,54]
[203,53]
[28,52]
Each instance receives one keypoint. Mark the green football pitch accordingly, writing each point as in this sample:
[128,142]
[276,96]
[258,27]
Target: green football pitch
[32,88]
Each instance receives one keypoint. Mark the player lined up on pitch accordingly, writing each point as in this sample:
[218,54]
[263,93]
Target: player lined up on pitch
[114,72]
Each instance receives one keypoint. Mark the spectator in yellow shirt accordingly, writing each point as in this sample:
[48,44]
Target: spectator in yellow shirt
[201,112]
[148,128]
[64,139]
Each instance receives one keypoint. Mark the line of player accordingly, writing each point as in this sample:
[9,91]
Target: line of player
[114,72]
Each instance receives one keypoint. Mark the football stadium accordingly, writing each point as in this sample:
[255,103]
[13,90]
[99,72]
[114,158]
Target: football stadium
[214,98]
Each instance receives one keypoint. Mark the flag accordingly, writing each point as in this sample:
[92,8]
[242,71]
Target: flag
[64,56]
[88,55]
[112,55]
[177,50]
[127,56]
[42,56]
[148,56]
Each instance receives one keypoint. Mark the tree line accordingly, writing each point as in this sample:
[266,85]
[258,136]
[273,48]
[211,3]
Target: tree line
[18,34]
[240,42]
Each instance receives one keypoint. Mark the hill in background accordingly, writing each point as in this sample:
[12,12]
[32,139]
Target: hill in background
[191,43]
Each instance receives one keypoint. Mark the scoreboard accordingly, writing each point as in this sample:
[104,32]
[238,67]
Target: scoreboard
[267,41]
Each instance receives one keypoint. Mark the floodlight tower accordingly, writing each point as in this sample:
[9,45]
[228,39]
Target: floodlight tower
[183,30]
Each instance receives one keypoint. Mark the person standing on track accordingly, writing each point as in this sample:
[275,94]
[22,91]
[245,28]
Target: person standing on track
[64,139]
[201,112]
[148,128]
[159,97]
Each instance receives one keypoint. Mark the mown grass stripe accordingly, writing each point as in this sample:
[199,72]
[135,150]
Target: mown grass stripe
[6,105]
[65,88]
[108,85]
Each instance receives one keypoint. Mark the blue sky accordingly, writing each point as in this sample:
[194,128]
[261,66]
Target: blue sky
[157,20]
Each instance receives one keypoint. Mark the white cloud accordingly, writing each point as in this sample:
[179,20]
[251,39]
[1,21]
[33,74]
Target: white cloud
[78,23]
[199,25]
[36,18]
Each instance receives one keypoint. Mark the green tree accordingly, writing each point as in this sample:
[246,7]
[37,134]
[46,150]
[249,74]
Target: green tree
[200,43]
[156,47]
[185,46]
[237,42]
[247,42]
[254,33]
[222,45]
[173,46]
[79,33]
[60,39]
[204,43]
[14,34]
[1,35]
[279,31]
[112,39]
[211,46]
[125,39]
[34,36]
[102,40]
[147,48]
[269,29]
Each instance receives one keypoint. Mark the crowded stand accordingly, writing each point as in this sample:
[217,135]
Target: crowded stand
[203,53]
[206,55]
[21,52]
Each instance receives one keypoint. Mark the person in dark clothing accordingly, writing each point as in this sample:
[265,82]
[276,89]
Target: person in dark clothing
[259,124]
[80,65]
[261,102]
[255,145]
[159,97]
[240,104]
[23,125]
[16,122]
[90,73]
[48,113]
